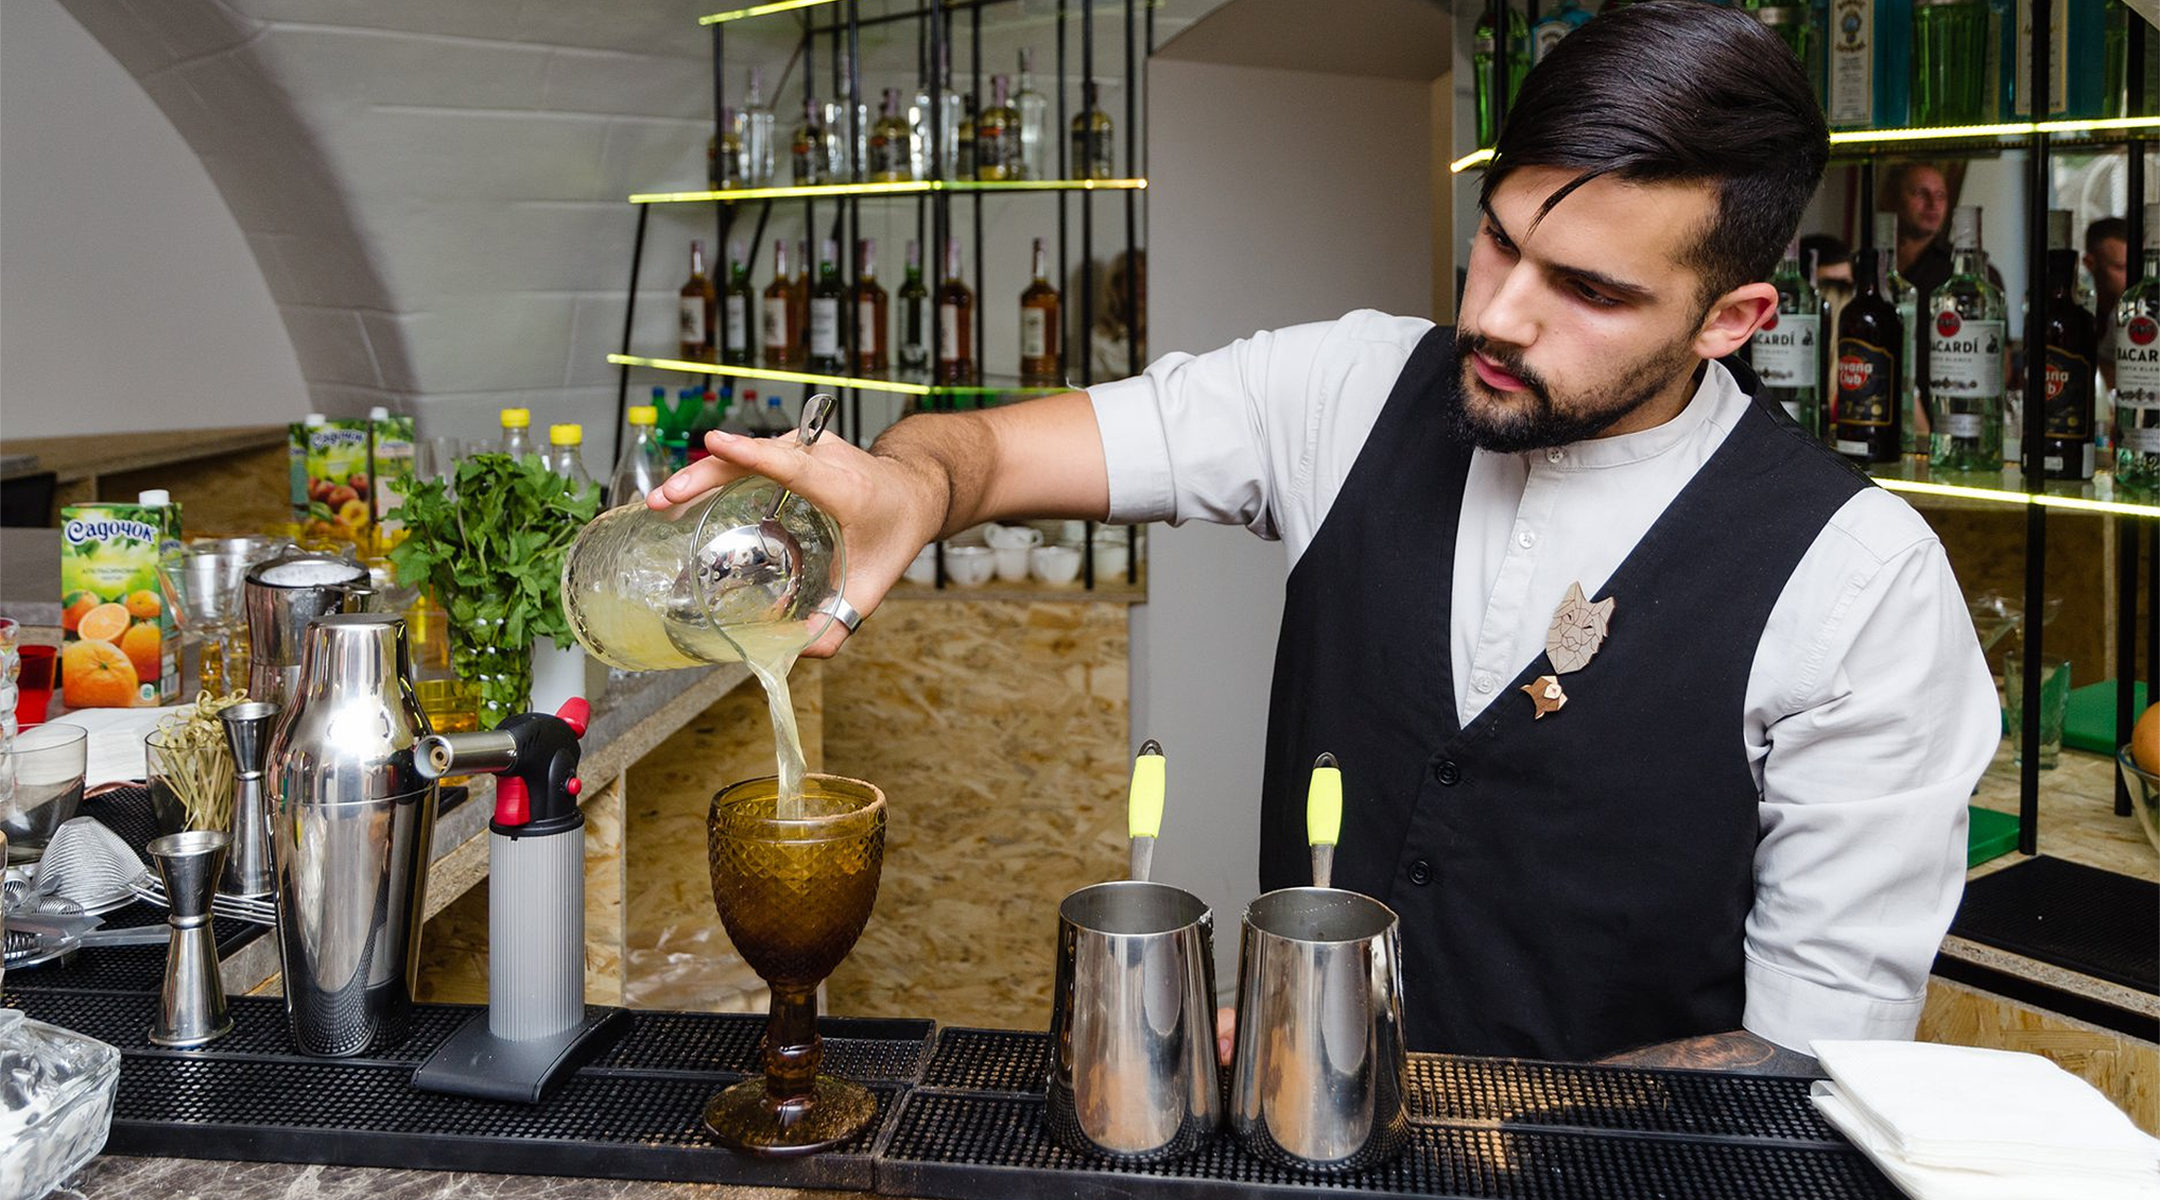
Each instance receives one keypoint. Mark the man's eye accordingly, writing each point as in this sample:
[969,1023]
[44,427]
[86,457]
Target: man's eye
[1499,239]
[1590,295]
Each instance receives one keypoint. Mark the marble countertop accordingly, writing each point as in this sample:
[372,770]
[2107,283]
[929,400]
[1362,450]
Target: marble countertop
[191,1179]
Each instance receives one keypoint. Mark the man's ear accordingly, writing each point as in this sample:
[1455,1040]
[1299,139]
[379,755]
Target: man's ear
[1733,319]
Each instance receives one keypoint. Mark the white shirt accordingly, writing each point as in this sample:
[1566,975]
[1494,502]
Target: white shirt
[1870,712]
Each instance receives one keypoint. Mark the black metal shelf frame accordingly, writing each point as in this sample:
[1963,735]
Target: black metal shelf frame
[933,215]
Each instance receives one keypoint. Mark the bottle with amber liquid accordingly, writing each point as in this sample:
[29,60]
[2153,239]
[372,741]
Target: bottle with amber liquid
[966,163]
[779,322]
[738,307]
[914,300]
[828,300]
[997,136]
[699,302]
[956,322]
[2073,347]
[1039,325]
[891,142]
[812,146]
[870,355]
[1091,139]
[1869,415]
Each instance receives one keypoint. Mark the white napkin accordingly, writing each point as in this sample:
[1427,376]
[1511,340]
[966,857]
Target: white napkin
[1963,1123]
[116,740]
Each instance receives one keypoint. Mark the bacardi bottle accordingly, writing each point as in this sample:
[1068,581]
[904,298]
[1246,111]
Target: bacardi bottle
[2137,371]
[870,354]
[738,312]
[1787,351]
[827,299]
[1967,344]
[779,322]
[697,310]
[914,314]
[956,322]
[1870,367]
[1040,329]
[2073,345]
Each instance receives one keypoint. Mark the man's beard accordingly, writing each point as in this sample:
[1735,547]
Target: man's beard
[1529,420]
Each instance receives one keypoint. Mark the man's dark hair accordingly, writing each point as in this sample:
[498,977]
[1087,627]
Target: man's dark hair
[1678,91]
[2105,228]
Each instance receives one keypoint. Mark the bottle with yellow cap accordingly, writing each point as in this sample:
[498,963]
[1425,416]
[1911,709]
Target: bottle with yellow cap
[643,465]
[516,432]
[566,454]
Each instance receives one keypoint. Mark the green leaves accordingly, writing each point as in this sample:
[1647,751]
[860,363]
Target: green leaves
[491,545]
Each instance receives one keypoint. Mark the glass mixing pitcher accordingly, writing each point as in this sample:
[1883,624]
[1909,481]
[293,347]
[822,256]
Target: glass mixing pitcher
[746,573]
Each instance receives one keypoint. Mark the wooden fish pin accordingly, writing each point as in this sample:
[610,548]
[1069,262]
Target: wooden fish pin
[1546,693]
[1577,630]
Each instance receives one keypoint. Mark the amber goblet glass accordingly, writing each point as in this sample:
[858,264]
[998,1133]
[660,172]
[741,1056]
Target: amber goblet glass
[794,890]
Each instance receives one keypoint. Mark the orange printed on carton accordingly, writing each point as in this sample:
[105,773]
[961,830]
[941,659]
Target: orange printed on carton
[116,622]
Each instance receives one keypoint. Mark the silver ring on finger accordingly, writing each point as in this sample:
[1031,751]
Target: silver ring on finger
[846,614]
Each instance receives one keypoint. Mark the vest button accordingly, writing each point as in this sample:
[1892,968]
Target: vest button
[1421,872]
[1447,773]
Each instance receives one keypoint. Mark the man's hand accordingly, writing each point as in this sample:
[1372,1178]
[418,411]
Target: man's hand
[886,509]
[1736,1051]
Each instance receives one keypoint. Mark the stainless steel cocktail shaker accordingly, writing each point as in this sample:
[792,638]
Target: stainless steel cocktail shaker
[282,596]
[351,830]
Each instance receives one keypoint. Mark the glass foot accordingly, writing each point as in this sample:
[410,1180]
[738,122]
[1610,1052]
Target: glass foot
[745,1119]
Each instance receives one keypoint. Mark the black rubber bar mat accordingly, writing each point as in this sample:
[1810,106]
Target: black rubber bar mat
[2076,917]
[1482,1128]
[635,1113]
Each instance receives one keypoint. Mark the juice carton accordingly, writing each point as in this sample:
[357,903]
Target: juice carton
[296,454]
[339,506]
[119,632]
[390,467]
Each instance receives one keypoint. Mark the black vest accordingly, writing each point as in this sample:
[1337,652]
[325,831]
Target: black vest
[1573,886]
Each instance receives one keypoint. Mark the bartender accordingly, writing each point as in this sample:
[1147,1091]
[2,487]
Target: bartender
[1657,721]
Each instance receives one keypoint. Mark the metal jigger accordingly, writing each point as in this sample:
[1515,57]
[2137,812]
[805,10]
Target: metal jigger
[191,1005]
[249,868]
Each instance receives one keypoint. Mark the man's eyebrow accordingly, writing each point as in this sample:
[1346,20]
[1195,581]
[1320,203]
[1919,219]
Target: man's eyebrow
[1619,287]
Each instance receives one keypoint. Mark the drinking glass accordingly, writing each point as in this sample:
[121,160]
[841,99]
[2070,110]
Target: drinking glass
[10,667]
[2054,704]
[47,763]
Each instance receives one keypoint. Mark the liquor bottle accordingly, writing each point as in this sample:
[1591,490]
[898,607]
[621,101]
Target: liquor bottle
[757,132]
[1868,79]
[827,299]
[1794,25]
[697,310]
[870,354]
[956,322]
[2115,74]
[850,132]
[943,164]
[643,465]
[1906,299]
[1482,51]
[964,163]
[1950,84]
[1787,351]
[2077,35]
[738,328]
[566,455]
[1092,140]
[2073,347]
[1034,112]
[914,314]
[516,438]
[779,322]
[812,149]
[1560,22]
[1967,343]
[2137,371]
[890,142]
[1870,367]
[1040,329]
[997,135]
[727,169]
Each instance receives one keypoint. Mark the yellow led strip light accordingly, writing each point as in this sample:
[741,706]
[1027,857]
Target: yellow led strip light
[2000,496]
[759,10]
[909,187]
[868,384]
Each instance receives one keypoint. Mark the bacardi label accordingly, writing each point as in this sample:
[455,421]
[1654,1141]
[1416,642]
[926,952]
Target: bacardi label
[1866,384]
[1784,350]
[2069,394]
[2137,360]
[1852,63]
[1965,358]
[738,324]
[825,328]
[778,337]
[1034,333]
[692,320]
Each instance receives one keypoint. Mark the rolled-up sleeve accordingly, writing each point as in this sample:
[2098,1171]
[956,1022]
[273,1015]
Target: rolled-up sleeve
[1889,717]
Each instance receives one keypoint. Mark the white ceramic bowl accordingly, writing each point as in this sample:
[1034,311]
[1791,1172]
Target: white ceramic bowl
[1012,537]
[1110,558]
[1012,562]
[1057,566]
[970,566]
[923,569]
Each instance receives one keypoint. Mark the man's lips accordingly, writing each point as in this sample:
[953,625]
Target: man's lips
[1493,376]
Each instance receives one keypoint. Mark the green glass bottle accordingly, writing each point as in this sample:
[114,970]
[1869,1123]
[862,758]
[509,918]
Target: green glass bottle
[1794,24]
[1950,47]
[1482,49]
[1967,348]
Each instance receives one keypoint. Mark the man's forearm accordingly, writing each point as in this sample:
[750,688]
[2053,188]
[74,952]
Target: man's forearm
[1736,1051]
[1043,458]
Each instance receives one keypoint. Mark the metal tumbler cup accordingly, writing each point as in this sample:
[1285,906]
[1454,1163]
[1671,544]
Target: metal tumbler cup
[1132,1076]
[1317,1078]
[282,597]
[350,835]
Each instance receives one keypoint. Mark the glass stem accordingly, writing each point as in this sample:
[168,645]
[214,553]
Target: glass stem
[792,1049]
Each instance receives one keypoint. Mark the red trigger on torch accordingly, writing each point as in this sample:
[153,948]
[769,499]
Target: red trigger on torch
[575,713]
[513,806]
